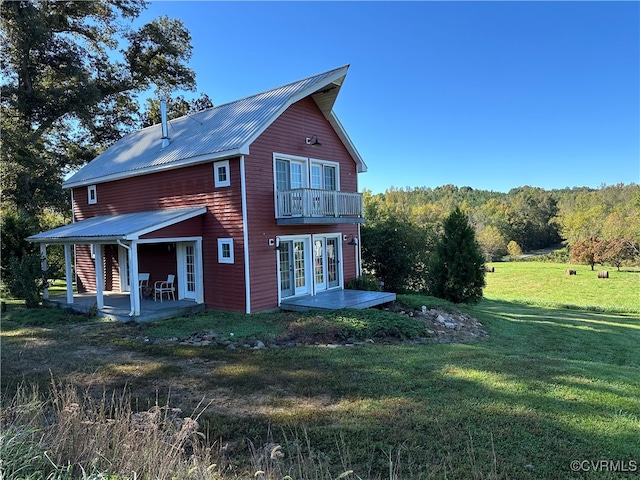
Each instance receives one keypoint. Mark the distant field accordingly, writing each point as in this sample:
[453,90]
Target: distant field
[545,284]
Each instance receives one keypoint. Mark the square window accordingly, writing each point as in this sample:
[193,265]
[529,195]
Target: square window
[92,194]
[221,174]
[225,250]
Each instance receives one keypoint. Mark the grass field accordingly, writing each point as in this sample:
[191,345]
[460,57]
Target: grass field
[548,386]
[546,284]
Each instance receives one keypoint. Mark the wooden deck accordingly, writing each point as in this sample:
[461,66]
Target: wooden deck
[336,299]
[117,307]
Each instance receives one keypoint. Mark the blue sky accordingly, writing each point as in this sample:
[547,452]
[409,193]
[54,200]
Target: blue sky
[491,95]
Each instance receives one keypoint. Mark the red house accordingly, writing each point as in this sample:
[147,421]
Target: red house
[247,204]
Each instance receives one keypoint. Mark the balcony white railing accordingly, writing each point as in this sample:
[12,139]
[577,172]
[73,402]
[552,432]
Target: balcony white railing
[311,202]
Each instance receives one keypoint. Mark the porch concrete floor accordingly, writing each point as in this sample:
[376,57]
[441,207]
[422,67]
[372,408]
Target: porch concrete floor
[117,306]
[336,299]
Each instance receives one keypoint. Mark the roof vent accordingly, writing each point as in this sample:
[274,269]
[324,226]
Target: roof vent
[165,126]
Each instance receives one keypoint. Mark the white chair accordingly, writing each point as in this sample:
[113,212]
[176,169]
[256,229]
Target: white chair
[164,286]
[143,282]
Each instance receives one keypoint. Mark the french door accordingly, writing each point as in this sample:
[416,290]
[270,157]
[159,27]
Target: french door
[308,265]
[293,267]
[325,262]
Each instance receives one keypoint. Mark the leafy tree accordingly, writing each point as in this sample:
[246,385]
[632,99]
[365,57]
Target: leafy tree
[175,108]
[457,270]
[617,251]
[513,249]
[66,94]
[492,243]
[396,252]
[587,251]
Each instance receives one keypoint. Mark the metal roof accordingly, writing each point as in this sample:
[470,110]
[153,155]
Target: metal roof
[218,132]
[109,228]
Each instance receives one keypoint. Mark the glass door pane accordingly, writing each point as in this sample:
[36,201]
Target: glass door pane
[286,270]
[333,280]
[191,268]
[299,270]
[319,264]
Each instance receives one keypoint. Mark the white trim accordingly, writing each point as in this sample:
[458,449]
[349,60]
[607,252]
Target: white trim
[99,271]
[221,257]
[168,240]
[43,267]
[123,258]
[186,162]
[199,271]
[351,148]
[308,262]
[216,179]
[245,237]
[323,163]
[337,236]
[92,199]
[68,272]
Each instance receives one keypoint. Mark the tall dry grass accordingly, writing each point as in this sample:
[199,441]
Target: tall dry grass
[71,435]
[67,435]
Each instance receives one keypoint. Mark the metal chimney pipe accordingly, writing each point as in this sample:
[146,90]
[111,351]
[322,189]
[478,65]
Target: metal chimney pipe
[165,126]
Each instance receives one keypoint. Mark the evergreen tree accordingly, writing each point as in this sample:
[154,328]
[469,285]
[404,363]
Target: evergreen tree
[457,269]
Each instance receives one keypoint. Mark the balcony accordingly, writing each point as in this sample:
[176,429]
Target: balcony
[309,206]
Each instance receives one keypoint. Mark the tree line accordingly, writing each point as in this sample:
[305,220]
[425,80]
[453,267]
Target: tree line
[403,226]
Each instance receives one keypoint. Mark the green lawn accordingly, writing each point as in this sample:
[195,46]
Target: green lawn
[549,385]
[546,284]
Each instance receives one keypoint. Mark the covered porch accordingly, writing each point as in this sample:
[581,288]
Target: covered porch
[127,233]
[116,306]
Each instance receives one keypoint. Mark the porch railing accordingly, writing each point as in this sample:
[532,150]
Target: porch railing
[311,202]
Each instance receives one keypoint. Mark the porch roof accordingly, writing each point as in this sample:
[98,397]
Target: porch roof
[110,228]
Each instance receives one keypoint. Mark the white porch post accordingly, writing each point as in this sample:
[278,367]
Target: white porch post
[43,266]
[199,273]
[68,272]
[134,288]
[99,276]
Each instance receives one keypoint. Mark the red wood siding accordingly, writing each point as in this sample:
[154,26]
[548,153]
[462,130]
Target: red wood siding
[85,269]
[224,285]
[189,186]
[287,136]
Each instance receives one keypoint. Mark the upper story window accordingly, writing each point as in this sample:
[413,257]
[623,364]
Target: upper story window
[221,174]
[296,172]
[92,194]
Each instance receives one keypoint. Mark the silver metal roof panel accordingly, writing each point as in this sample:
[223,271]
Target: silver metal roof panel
[109,228]
[217,132]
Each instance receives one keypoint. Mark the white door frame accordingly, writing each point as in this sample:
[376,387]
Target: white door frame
[183,274]
[338,238]
[308,264]
[123,267]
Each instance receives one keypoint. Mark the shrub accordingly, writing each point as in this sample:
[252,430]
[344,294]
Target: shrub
[364,282]
[27,280]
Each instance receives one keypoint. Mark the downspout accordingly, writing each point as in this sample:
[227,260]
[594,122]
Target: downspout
[245,238]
